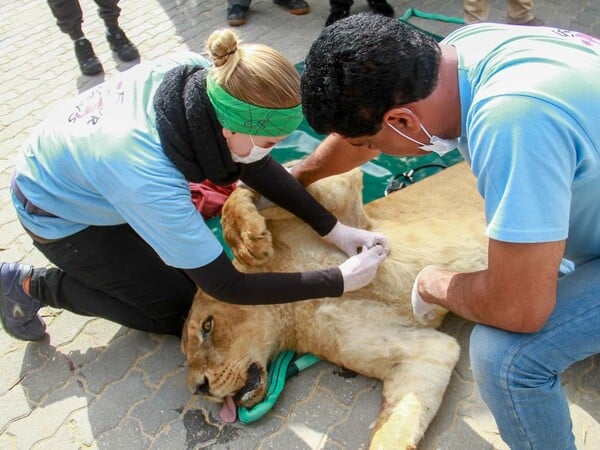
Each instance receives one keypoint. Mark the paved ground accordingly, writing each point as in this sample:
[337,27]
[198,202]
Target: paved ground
[93,384]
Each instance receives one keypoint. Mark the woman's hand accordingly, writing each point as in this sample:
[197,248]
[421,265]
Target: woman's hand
[351,240]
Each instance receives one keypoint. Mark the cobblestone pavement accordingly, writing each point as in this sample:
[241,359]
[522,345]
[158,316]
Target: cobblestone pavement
[93,384]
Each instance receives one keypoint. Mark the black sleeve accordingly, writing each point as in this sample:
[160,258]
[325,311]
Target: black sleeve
[269,178]
[224,282]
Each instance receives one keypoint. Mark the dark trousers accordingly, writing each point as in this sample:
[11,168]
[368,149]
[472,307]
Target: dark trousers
[341,4]
[69,16]
[344,4]
[110,272]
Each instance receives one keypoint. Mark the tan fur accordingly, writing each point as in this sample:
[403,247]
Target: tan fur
[372,331]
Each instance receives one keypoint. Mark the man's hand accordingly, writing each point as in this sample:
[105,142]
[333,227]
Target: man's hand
[333,156]
[359,270]
[425,313]
[351,240]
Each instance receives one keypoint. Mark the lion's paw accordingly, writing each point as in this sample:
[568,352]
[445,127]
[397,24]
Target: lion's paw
[245,229]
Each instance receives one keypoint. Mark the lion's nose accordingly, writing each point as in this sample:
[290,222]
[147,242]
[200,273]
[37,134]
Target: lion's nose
[202,388]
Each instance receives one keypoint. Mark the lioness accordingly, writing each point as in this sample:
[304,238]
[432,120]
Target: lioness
[371,331]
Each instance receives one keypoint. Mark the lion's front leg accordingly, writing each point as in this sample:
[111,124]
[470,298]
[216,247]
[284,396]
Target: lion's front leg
[413,391]
[245,229]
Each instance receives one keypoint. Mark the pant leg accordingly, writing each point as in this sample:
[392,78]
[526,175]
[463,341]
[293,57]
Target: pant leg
[245,3]
[109,12]
[340,4]
[518,375]
[476,10]
[69,16]
[111,272]
[519,11]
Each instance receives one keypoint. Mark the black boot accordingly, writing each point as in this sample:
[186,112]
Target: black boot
[296,7]
[121,45]
[336,14]
[381,7]
[87,59]
[237,15]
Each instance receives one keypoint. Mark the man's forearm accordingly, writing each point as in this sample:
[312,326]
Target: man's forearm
[333,156]
[474,297]
[452,290]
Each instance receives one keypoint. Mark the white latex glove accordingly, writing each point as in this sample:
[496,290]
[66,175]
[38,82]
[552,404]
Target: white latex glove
[359,270]
[351,240]
[425,313]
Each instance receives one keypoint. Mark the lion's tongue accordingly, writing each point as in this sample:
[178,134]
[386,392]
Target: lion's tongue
[228,411]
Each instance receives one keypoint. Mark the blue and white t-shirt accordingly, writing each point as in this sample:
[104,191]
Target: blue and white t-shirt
[97,160]
[530,99]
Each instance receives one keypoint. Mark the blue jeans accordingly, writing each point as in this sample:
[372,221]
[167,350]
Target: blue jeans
[518,375]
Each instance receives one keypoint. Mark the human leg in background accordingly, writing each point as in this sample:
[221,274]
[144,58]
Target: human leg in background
[381,7]
[237,12]
[296,7]
[110,272]
[109,12]
[476,10]
[518,375]
[69,18]
[338,9]
[520,12]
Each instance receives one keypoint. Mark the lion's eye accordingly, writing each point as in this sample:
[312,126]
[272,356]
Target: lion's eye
[207,326]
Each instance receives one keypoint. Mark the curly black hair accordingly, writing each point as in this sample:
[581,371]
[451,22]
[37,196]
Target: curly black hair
[360,67]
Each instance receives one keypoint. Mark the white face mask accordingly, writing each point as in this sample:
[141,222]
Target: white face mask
[256,153]
[436,144]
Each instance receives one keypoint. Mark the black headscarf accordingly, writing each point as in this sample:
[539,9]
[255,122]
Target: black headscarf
[190,134]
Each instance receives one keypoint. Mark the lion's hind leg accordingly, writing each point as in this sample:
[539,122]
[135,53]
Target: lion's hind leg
[413,388]
[414,363]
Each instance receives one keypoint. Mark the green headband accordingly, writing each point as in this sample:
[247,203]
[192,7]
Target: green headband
[241,117]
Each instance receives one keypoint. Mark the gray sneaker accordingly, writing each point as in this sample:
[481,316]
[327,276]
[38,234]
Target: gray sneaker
[18,310]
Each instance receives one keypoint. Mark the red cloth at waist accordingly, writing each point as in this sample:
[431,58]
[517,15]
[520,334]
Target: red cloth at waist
[209,197]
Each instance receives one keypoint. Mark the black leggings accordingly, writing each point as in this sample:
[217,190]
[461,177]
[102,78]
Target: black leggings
[110,272]
[69,16]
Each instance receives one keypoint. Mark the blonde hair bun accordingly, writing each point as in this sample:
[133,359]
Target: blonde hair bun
[222,46]
[253,73]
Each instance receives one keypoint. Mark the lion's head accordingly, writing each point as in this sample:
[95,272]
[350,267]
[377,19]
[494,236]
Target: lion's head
[224,366]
